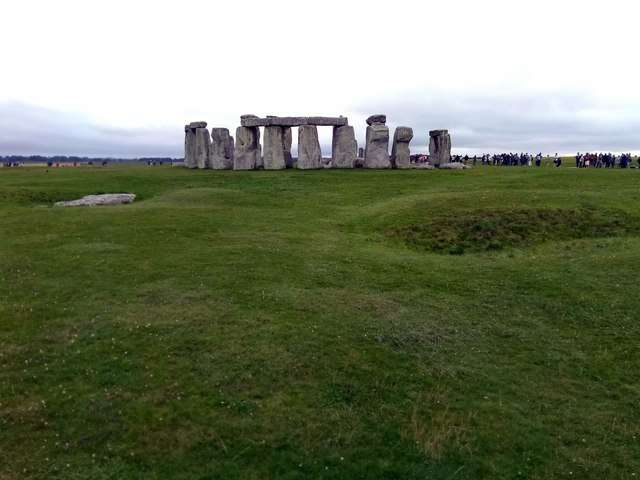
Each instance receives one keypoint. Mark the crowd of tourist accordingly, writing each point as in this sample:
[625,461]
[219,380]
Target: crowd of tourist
[583,160]
[604,160]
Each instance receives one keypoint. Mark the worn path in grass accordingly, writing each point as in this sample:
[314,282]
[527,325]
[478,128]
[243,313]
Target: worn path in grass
[267,325]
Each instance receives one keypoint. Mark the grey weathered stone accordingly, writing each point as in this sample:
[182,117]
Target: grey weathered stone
[343,147]
[221,152]
[378,119]
[247,154]
[288,140]
[422,166]
[190,148]
[203,146]
[198,125]
[439,147]
[231,148]
[273,156]
[361,152]
[253,121]
[309,153]
[102,199]
[376,153]
[453,166]
[400,152]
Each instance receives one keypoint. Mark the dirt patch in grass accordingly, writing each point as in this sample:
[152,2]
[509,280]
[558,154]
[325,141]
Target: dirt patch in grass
[486,230]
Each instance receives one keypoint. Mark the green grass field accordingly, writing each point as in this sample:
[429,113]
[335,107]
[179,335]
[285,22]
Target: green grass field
[258,325]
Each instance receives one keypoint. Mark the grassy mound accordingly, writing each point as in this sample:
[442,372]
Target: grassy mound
[495,229]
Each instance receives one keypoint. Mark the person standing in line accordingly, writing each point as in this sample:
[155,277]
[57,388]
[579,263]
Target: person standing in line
[557,161]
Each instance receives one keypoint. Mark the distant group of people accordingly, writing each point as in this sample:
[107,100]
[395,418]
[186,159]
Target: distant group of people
[604,160]
[509,159]
[586,160]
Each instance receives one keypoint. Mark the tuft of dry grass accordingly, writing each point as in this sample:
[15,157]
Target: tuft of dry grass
[437,428]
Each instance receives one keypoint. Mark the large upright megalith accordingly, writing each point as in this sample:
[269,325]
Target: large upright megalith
[221,153]
[288,140]
[376,153]
[400,152]
[343,147]
[203,146]
[274,155]
[189,147]
[439,147]
[247,154]
[309,153]
[194,149]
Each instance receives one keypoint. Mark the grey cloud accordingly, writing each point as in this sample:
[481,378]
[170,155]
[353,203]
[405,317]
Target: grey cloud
[550,122]
[31,130]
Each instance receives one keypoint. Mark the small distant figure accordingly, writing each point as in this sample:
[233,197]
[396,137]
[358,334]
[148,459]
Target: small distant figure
[539,159]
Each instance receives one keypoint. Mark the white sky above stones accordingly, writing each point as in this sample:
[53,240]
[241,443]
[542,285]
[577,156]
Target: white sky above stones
[121,77]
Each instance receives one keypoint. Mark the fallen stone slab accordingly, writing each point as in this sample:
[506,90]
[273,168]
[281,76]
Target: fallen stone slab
[453,166]
[422,166]
[96,200]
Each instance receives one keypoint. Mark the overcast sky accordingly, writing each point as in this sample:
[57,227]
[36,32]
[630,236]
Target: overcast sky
[121,78]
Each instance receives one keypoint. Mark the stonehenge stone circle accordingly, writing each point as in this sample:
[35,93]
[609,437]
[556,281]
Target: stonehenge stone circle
[274,149]
[309,153]
[203,146]
[217,150]
[439,147]
[343,147]
[400,152]
[247,154]
[376,153]
[221,152]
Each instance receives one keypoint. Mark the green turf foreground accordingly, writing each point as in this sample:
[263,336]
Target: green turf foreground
[258,325]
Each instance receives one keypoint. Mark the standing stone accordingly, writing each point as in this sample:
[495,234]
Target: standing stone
[361,152]
[376,154]
[439,147]
[221,153]
[343,147]
[189,147]
[274,157]
[203,146]
[247,154]
[400,153]
[229,151]
[309,153]
[288,140]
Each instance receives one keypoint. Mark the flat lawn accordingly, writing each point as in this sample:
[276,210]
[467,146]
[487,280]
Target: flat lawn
[257,325]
